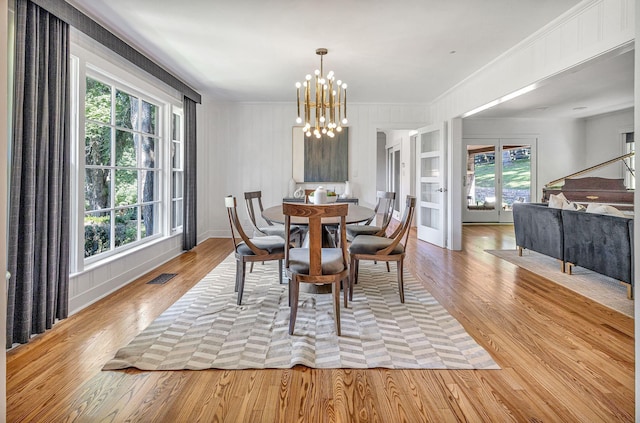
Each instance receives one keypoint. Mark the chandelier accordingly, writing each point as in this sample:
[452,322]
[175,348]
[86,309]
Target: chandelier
[325,110]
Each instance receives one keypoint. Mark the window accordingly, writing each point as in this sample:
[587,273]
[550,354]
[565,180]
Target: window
[630,162]
[126,157]
[122,201]
[177,170]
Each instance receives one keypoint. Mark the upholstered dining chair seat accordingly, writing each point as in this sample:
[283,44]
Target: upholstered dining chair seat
[273,244]
[370,244]
[274,230]
[332,261]
[354,230]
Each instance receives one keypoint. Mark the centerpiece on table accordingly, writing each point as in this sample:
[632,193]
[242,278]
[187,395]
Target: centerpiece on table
[322,196]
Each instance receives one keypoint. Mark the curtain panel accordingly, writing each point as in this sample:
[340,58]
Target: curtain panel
[189,226]
[38,289]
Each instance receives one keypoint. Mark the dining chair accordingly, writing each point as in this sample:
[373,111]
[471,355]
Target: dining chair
[315,264]
[252,197]
[250,250]
[380,248]
[384,205]
[306,194]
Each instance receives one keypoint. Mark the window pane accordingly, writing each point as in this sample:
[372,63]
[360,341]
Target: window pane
[126,187]
[177,185]
[149,189]
[176,216]
[149,218]
[97,233]
[175,128]
[126,226]
[97,101]
[97,149]
[176,156]
[126,110]
[97,189]
[125,149]
[149,117]
[148,152]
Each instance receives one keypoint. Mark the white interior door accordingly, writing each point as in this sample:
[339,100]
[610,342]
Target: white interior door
[431,173]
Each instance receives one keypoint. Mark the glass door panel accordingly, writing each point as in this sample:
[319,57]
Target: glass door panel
[516,175]
[430,218]
[429,192]
[430,166]
[480,183]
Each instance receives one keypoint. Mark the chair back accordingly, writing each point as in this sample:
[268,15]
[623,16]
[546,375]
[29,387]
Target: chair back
[384,205]
[250,198]
[236,227]
[315,214]
[401,234]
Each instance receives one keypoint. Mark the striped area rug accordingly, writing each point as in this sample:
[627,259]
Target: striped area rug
[206,329]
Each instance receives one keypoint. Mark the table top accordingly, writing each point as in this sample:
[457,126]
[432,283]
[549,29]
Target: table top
[355,214]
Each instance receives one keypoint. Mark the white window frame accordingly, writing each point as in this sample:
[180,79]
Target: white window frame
[91,59]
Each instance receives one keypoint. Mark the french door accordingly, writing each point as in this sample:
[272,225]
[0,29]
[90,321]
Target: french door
[499,172]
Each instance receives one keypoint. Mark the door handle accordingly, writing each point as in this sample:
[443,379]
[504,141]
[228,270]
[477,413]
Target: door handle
[441,190]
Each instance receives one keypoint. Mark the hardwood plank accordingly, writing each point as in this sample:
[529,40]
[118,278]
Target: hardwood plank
[563,357]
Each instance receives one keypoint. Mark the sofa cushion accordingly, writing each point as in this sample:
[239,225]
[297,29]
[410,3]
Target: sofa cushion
[557,201]
[604,209]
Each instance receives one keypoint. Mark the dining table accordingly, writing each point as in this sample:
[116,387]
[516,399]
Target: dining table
[355,214]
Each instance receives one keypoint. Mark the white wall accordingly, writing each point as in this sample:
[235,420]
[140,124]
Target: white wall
[603,141]
[248,147]
[4,148]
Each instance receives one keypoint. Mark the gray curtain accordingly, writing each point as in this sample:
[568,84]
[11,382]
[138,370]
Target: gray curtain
[189,227]
[38,230]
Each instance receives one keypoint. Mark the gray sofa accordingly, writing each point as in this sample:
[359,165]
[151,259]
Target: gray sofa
[602,243]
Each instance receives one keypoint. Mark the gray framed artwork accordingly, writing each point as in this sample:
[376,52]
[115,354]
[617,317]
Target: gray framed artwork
[320,160]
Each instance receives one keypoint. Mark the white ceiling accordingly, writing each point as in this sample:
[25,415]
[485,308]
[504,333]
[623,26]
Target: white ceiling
[388,51]
[603,85]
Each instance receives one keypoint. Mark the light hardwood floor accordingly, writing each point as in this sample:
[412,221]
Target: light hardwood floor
[563,357]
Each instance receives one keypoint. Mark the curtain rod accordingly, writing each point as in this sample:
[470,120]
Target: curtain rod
[85,24]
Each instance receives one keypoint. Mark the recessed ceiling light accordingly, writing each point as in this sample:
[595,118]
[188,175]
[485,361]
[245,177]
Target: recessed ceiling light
[452,52]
